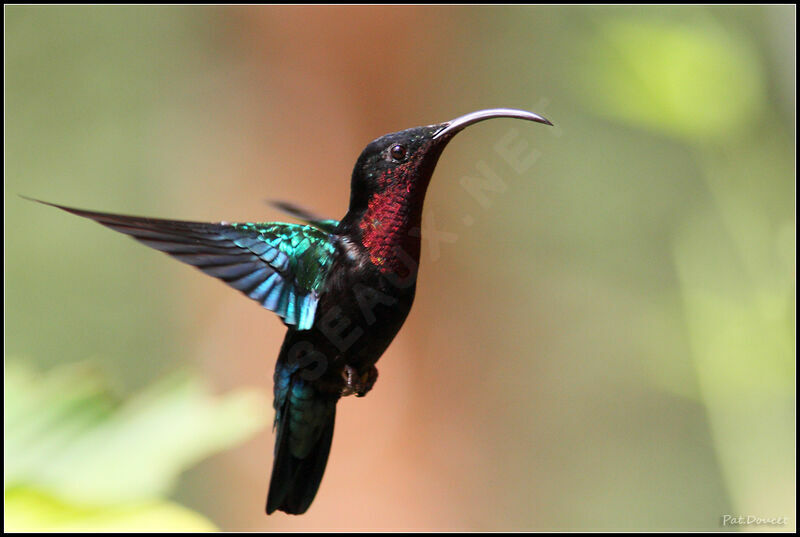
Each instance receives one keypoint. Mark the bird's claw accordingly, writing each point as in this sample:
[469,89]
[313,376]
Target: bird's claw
[358,385]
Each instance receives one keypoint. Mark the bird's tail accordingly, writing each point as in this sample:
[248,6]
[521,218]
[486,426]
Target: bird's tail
[304,419]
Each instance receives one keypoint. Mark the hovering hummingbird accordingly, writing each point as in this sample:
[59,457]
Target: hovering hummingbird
[343,288]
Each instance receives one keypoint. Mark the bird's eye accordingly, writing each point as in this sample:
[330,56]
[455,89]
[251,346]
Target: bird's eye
[397,152]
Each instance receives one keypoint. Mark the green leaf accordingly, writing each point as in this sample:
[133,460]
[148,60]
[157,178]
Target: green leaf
[66,435]
[33,510]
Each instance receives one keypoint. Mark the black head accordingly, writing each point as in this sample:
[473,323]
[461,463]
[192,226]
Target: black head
[410,156]
[403,161]
[393,158]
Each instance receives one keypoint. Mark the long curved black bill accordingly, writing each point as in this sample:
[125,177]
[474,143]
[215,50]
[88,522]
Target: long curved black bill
[458,124]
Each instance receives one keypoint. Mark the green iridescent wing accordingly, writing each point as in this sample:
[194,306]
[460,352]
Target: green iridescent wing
[281,266]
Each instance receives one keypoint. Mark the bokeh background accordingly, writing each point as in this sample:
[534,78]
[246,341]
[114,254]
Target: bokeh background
[603,336]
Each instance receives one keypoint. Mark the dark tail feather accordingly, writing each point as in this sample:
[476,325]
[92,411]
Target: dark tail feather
[295,481]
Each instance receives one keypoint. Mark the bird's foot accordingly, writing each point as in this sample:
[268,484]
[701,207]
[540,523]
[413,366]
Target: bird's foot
[358,385]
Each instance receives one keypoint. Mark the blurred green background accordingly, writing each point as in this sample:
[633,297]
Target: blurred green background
[603,338]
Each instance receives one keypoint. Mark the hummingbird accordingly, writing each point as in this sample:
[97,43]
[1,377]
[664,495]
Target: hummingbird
[343,288]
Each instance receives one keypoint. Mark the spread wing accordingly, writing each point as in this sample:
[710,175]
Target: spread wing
[281,266]
[325,224]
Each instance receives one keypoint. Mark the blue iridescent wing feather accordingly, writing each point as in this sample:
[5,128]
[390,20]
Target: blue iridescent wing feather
[281,266]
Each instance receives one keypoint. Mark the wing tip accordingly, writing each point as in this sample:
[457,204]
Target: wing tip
[28,198]
[79,212]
